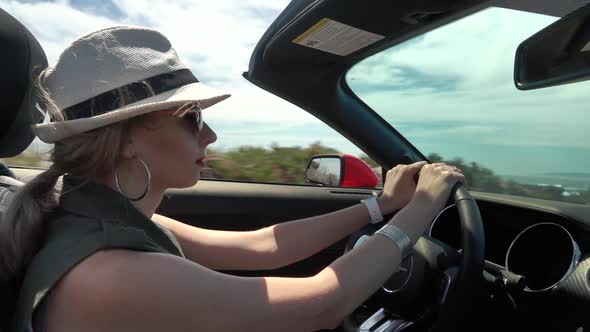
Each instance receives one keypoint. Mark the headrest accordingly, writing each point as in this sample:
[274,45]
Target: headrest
[22,58]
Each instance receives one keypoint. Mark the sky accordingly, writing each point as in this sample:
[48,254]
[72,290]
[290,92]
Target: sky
[214,38]
[449,91]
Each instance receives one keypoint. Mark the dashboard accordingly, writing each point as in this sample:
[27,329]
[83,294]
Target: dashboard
[545,245]
[504,227]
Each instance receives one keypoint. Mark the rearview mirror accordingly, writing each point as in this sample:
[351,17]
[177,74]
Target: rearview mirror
[558,54]
[337,170]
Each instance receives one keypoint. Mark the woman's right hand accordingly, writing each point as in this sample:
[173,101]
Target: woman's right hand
[432,193]
[435,184]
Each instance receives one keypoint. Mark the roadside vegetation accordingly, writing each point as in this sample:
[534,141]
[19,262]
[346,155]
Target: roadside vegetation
[279,164]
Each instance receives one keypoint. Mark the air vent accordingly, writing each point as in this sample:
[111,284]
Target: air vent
[422,17]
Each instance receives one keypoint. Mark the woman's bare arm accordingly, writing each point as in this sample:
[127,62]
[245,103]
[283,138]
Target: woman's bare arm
[268,248]
[286,243]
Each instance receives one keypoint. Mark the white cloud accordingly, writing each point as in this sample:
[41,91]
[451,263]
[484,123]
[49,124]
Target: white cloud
[472,51]
[463,74]
[55,24]
[214,38]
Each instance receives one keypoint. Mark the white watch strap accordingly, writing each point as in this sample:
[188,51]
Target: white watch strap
[374,210]
[401,240]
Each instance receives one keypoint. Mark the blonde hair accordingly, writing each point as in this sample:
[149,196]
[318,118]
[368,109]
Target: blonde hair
[88,155]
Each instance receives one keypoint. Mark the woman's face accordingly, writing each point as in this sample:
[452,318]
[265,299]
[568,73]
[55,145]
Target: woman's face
[173,147]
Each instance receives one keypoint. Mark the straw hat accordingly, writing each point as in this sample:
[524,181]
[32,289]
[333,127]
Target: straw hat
[115,74]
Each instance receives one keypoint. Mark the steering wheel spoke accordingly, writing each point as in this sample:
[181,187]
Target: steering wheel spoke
[381,321]
[438,255]
[448,280]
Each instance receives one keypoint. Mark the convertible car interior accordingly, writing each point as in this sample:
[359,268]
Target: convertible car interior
[490,261]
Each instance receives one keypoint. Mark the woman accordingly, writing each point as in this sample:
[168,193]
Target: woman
[127,125]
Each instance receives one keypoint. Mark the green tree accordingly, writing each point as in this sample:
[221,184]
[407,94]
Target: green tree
[434,158]
[480,178]
[287,165]
[276,164]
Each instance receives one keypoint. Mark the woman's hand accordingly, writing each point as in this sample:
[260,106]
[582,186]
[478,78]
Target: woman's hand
[399,187]
[435,184]
[430,196]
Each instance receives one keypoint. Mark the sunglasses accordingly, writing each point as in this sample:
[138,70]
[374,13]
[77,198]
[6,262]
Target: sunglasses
[192,115]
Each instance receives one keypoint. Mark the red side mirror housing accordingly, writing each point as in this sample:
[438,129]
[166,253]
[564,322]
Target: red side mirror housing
[341,170]
[357,173]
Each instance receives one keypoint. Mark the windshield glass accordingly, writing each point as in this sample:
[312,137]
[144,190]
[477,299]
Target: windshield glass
[450,92]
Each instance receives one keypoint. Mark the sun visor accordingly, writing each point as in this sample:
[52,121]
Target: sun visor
[341,31]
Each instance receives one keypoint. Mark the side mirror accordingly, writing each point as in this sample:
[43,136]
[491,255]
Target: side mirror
[558,54]
[340,171]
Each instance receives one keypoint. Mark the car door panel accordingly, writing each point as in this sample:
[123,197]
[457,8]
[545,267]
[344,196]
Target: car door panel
[242,206]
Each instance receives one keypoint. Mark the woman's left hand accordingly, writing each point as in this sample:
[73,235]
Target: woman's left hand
[399,187]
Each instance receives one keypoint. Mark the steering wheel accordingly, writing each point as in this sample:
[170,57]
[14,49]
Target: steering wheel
[437,288]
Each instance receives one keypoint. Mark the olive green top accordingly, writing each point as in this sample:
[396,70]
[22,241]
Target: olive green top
[90,217]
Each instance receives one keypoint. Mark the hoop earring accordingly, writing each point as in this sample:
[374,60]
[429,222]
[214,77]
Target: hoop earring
[147,188]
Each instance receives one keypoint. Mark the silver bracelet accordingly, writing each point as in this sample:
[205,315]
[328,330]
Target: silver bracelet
[401,240]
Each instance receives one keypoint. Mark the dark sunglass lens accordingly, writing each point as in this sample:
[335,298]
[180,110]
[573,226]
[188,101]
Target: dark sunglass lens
[195,119]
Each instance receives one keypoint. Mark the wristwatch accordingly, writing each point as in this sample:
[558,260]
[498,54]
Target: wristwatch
[374,210]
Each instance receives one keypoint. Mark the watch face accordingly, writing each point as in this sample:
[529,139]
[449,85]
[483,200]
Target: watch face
[400,278]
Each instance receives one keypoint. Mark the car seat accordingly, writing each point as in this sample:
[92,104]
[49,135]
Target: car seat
[21,60]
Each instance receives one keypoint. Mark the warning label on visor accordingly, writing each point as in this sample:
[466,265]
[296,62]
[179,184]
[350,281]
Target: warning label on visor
[337,38]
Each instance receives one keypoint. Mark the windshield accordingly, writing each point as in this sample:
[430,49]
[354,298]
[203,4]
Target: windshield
[450,92]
